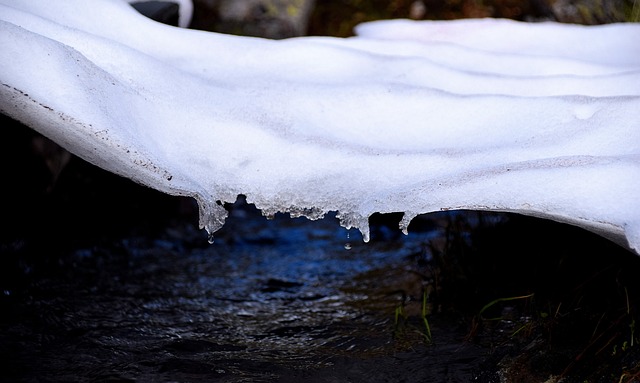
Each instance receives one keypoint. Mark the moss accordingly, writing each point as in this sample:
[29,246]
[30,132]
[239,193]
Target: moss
[632,11]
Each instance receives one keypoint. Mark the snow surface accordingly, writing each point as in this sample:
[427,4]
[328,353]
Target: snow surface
[540,119]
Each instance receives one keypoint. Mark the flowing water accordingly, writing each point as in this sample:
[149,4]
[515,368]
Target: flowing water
[270,301]
[291,300]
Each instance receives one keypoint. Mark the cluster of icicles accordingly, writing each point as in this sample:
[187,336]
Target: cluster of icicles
[540,119]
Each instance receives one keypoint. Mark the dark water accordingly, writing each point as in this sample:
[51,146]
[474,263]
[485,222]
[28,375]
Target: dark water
[269,301]
[284,300]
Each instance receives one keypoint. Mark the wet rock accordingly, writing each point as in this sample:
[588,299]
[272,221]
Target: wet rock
[588,12]
[275,19]
[162,11]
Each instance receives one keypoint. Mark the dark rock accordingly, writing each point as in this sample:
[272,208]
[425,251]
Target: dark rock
[165,12]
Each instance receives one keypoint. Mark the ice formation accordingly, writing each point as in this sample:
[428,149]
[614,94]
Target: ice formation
[540,119]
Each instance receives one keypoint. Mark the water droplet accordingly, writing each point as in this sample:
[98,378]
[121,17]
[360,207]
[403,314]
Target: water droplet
[210,239]
[347,246]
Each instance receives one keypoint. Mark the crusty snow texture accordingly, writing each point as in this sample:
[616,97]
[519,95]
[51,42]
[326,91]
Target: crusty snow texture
[540,119]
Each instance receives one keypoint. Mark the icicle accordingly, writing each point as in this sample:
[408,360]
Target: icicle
[356,221]
[405,221]
[212,216]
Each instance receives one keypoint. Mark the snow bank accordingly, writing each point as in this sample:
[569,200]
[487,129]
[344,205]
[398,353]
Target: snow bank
[539,119]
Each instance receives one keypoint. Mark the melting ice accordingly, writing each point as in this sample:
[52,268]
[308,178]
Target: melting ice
[540,119]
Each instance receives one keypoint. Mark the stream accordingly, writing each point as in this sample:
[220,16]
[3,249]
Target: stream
[139,295]
[271,300]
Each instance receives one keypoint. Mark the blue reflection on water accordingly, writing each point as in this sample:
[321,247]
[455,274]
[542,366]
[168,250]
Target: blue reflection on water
[271,300]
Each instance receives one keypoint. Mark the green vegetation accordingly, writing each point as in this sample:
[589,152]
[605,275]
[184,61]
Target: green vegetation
[632,11]
[495,301]
[576,321]
[550,301]
[547,301]
[401,318]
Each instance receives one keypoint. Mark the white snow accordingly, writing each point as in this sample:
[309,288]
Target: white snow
[540,119]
